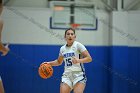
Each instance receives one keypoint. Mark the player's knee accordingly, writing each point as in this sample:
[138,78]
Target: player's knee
[64,91]
[64,88]
[78,91]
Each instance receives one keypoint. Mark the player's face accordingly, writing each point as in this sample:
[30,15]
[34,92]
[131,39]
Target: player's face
[70,37]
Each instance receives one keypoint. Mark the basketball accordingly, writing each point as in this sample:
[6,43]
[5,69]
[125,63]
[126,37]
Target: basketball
[45,70]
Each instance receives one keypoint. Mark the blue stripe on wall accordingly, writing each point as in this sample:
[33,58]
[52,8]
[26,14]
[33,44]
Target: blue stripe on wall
[119,69]
[113,70]
[134,70]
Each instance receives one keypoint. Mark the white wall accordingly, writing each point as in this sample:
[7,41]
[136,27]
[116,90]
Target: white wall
[119,28]
[28,3]
[132,4]
[29,26]
[126,28]
[128,2]
[45,3]
[134,28]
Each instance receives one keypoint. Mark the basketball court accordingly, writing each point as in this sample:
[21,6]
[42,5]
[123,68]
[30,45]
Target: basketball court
[35,31]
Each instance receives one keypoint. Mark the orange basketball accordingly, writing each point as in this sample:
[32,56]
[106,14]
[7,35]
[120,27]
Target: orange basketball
[45,71]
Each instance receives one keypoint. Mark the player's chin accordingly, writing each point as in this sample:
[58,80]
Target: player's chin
[69,40]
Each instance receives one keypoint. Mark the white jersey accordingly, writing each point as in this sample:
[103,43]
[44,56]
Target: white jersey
[68,52]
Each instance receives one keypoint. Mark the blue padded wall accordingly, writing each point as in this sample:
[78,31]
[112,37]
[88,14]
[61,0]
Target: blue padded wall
[113,70]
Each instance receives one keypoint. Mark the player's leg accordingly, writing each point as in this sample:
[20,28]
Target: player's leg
[1,21]
[79,82]
[1,27]
[64,88]
[3,49]
[1,86]
[79,87]
[66,84]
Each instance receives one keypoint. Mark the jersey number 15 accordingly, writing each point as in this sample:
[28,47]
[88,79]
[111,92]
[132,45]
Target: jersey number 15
[68,62]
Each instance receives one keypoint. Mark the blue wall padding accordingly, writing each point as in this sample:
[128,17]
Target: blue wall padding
[113,70]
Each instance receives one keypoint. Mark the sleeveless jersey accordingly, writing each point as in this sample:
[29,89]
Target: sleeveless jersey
[73,51]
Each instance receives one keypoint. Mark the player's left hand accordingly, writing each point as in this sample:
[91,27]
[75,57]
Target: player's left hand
[75,60]
[5,52]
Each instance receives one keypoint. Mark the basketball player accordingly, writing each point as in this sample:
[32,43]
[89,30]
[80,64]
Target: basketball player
[74,54]
[1,86]
[3,49]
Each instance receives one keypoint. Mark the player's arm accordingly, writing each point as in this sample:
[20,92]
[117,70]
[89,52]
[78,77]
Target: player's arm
[4,49]
[86,58]
[56,62]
